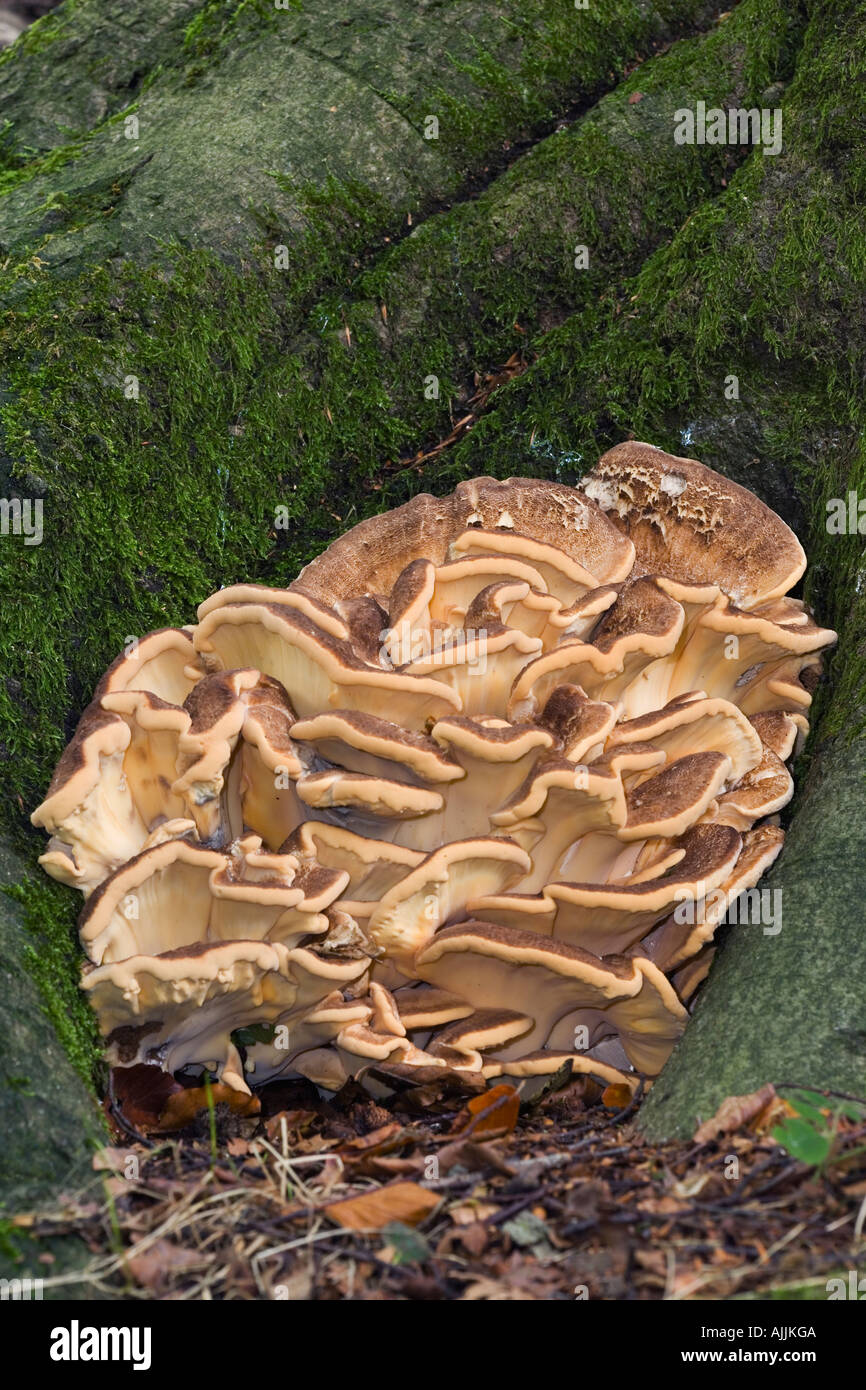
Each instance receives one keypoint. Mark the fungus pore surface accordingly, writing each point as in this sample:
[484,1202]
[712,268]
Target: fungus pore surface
[474,792]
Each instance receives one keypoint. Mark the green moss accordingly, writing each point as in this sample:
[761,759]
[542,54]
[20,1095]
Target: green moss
[342,223]
[11,1241]
[532,64]
[221,23]
[52,961]
[541,83]
[487,279]
[39,35]
[17,168]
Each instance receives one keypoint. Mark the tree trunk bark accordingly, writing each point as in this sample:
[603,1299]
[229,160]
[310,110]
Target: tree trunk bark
[258,259]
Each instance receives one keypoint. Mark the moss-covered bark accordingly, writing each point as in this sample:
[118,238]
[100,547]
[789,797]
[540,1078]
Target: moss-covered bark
[48,1117]
[142,194]
[170,378]
[205,121]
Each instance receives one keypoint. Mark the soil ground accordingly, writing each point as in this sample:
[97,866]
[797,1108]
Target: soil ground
[447,1193]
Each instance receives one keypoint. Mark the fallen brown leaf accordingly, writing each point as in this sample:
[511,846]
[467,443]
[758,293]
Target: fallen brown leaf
[152,1102]
[378,1141]
[297,1120]
[478,1158]
[733,1113]
[154,1266]
[494,1112]
[400,1201]
[378,1166]
[183,1106]
[474,1237]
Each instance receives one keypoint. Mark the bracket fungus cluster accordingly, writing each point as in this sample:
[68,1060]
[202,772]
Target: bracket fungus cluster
[473,793]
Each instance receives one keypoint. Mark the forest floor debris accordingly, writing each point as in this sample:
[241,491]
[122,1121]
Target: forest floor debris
[439,1194]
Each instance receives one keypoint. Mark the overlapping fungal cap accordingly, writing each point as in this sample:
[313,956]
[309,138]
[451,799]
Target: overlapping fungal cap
[473,793]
